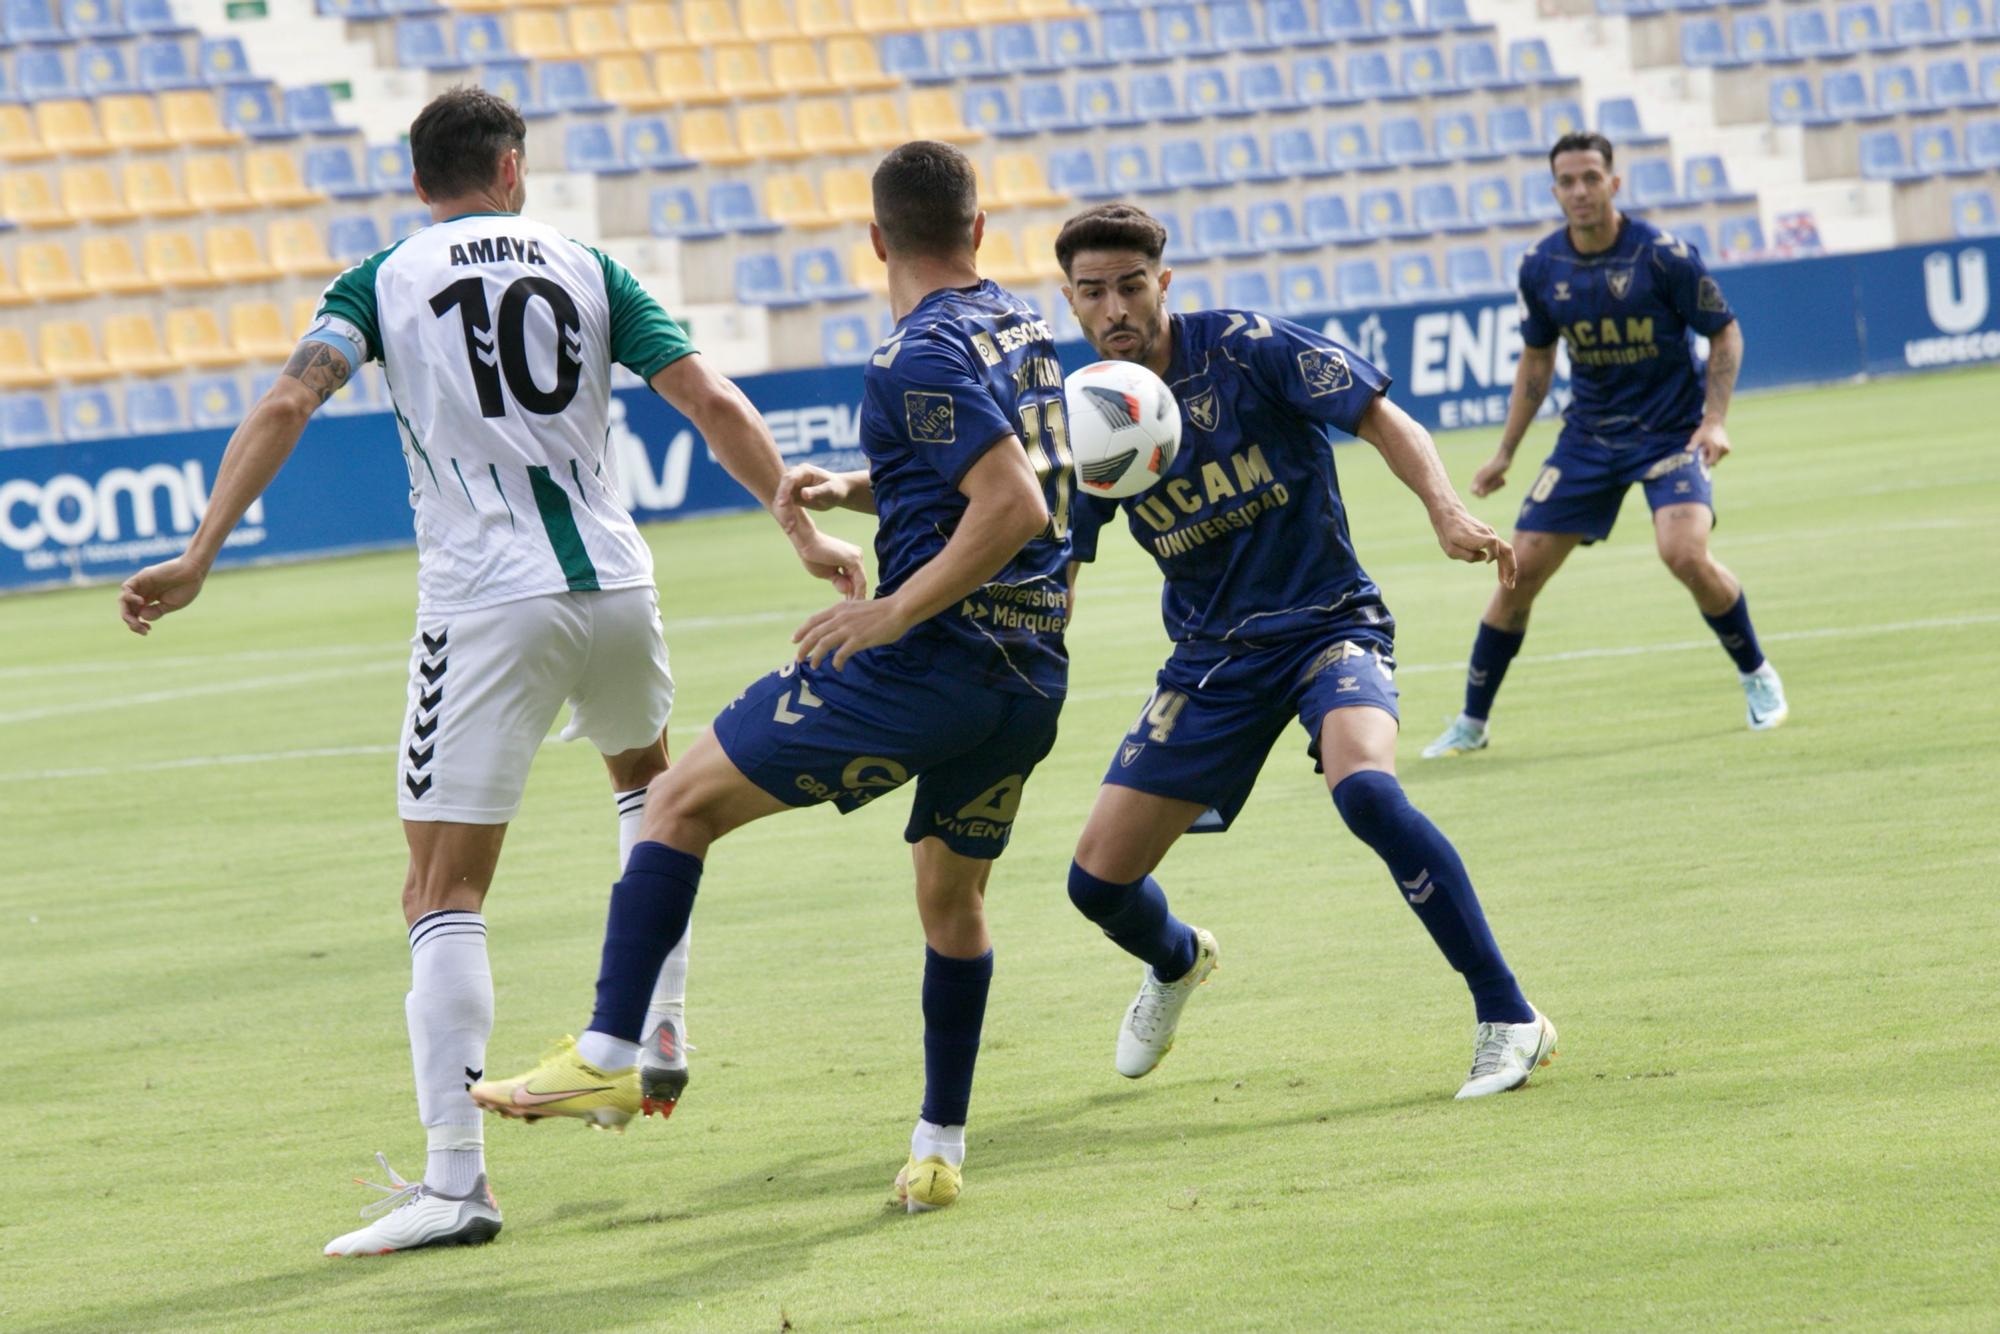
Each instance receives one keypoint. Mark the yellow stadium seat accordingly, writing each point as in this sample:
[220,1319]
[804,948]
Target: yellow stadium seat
[855,65]
[849,195]
[824,18]
[151,190]
[865,269]
[1038,250]
[539,34]
[1048,9]
[272,175]
[109,265]
[682,77]
[879,123]
[130,122]
[711,21]
[10,291]
[194,338]
[18,368]
[304,310]
[480,6]
[19,140]
[132,344]
[258,331]
[626,81]
[191,118]
[795,68]
[213,186]
[740,72]
[28,198]
[764,132]
[789,198]
[69,352]
[990,11]
[764,20]
[232,255]
[937,13]
[708,136]
[656,27]
[91,195]
[823,126]
[1018,182]
[172,260]
[46,273]
[934,114]
[877,16]
[1000,258]
[595,30]
[69,127]
[298,247]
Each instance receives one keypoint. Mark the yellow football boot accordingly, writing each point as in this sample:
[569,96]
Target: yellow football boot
[564,1084]
[928,1183]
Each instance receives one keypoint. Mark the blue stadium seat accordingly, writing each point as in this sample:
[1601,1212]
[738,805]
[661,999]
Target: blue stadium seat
[1208,93]
[1528,61]
[1756,39]
[1295,152]
[221,60]
[255,110]
[1263,89]
[310,110]
[1191,294]
[1176,234]
[1073,44]
[1425,73]
[1510,262]
[30,22]
[1218,234]
[1982,143]
[1127,38]
[1388,18]
[1180,31]
[1911,24]
[1271,226]
[674,211]
[1289,25]
[566,86]
[1510,129]
[1618,120]
[1455,138]
[1806,34]
[1896,89]
[1934,151]
[1315,83]
[1240,157]
[406,222]
[42,75]
[844,340]
[907,55]
[154,18]
[93,20]
[1356,283]
[816,276]
[1490,200]
[1559,117]
[1328,222]
[590,148]
[760,281]
[1436,209]
[513,80]
[354,11]
[1074,172]
[1404,143]
[1045,108]
[1235,27]
[1381,214]
[1989,79]
[733,206]
[1792,102]
[1882,157]
[7,93]
[1415,278]
[1017,49]
[1965,18]
[1370,77]
[389,168]
[1130,167]
[1538,199]
[1742,239]
[1184,165]
[1696,236]
[1247,290]
[25,420]
[351,240]
[1705,179]
[1302,290]
[412,7]
[1100,103]
[1948,84]
[163,67]
[479,38]
[1650,183]
[1477,65]
[1449,15]
[1973,214]
[1858,27]
[1468,271]
[1844,96]
[1342,21]
[649,144]
[331,171]
[1702,42]
[1157,99]
[214,400]
[1348,147]
[87,414]
[961,54]
[154,409]
[988,108]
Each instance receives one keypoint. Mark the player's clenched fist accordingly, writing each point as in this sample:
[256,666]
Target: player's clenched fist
[1468,539]
[157,590]
[807,487]
[1492,475]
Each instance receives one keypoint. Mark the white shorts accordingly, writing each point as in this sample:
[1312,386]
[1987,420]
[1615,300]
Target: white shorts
[486,686]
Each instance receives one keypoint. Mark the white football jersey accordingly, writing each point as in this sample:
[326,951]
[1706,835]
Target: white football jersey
[497,334]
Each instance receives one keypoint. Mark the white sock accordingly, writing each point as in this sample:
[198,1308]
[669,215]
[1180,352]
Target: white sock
[670,992]
[606,1052]
[1476,724]
[450,1013]
[935,1141]
[1765,671]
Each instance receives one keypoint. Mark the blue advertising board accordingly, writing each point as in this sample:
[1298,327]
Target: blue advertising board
[97,510]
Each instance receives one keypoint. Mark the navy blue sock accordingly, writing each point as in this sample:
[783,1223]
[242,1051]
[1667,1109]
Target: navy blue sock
[1433,879]
[1492,650]
[1739,638]
[954,1008]
[650,907]
[1136,918]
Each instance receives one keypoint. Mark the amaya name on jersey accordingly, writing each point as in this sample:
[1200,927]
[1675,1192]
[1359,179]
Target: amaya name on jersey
[497,250]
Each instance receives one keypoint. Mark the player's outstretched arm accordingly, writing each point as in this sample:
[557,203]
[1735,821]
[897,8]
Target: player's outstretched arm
[1004,510]
[256,452]
[805,486]
[1413,457]
[1725,359]
[743,445]
[1532,378]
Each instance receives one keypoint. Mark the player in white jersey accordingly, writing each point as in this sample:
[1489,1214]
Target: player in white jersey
[497,335]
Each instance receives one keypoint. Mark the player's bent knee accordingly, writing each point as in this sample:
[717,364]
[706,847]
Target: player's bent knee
[1096,898]
[1369,801]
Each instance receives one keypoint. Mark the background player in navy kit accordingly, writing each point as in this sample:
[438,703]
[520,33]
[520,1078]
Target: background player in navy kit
[952,675]
[1272,619]
[1624,295]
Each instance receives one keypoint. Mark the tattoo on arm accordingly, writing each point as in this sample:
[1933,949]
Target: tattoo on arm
[319,368]
[1723,362]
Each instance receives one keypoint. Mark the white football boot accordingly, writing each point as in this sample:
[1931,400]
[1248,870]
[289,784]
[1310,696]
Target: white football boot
[1147,1033]
[1463,736]
[1504,1055]
[1764,700]
[663,1065]
[412,1215]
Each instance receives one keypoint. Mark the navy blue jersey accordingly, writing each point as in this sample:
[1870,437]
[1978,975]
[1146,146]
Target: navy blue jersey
[1625,313]
[969,368]
[1247,524]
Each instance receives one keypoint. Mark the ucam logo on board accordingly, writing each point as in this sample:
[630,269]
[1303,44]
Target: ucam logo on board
[1958,297]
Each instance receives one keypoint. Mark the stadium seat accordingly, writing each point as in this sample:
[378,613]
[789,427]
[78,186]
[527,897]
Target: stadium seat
[760,281]
[89,19]
[796,68]
[90,195]
[1414,278]
[709,136]
[1190,294]
[1528,61]
[1234,26]
[1424,72]
[1619,121]
[1179,28]
[215,400]
[426,44]
[233,257]
[1404,143]
[1218,233]
[1476,65]
[1156,100]
[1128,40]
[1934,151]
[823,127]
[907,56]
[1074,172]
[935,115]
[626,81]
[1858,27]
[1327,221]
[309,110]
[1247,290]
[1538,201]
[852,64]
[152,192]
[1130,167]
[962,54]
[1489,201]
[849,195]
[1791,102]
[539,34]
[1807,35]
[70,127]
[1468,271]
[1315,83]
[407,222]
[792,200]
[69,352]
[1989,80]
[1018,181]
[1072,44]
[87,414]
[1510,129]
[649,144]
[1348,147]
[766,133]
[566,85]
[1947,84]
[41,76]
[154,409]
[1184,166]
[44,272]
[172,260]
[213,185]
[1302,290]
[10,292]
[681,78]
[25,421]
[1343,21]
[271,176]
[866,267]
[1896,89]
[1100,105]
[672,211]
[221,61]
[816,276]
[129,122]
[740,72]
[1702,42]
[191,118]
[1742,239]
[1559,117]
[194,338]
[1651,184]
[351,240]
[1705,179]
[732,205]
[1436,209]
[18,367]
[1045,109]
[1973,214]
[1882,157]
[1755,39]
[1296,152]
[991,111]
[258,331]
[1371,78]
[844,340]
[1289,26]
[590,148]
[1357,283]
[28,199]
[879,122]
[1240,157]
[1844,96]
[298,248]
[511,79]
[1982,144]
[1380,213]
[1272,226]
[657,27]
[330,170]
[1965,19]
[1208,93]
[162,66]
[1263,89]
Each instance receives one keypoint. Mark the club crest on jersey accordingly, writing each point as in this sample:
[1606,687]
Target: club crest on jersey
[1129,752]
[1620,283]
[1562,290]
[1325,370]
[1203,410]
[1709,297]
[931,417]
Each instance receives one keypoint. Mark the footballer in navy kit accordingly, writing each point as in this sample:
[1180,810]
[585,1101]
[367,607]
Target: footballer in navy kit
[1625,297]
[951,678]
[1273,620]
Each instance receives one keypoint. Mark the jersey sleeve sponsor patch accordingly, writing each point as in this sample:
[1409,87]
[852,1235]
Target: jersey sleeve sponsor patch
[1708,297]
[930,418]
[1325,371]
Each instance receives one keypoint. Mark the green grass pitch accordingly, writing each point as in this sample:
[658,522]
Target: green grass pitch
[1772,959]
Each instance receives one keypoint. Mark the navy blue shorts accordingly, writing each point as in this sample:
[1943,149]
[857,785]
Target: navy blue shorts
[809,735]
[1583,483]
[1212,718]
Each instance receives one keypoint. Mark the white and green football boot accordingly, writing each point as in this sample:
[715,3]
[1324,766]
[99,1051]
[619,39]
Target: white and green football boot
[1463,736]
[1764,699]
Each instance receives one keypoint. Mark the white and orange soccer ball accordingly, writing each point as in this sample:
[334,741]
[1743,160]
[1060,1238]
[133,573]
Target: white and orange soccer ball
[1124,428]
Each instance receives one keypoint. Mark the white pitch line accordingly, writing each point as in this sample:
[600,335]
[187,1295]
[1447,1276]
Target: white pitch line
[1136,691]
[105,703]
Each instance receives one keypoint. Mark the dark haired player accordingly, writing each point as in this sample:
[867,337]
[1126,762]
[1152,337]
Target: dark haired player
[952,676]
[1624,296]
[1272,619]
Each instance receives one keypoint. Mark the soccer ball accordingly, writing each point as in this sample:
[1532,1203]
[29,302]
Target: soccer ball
[1124,427]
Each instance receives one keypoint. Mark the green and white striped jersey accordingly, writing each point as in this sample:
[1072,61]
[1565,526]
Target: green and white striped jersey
[497,334]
